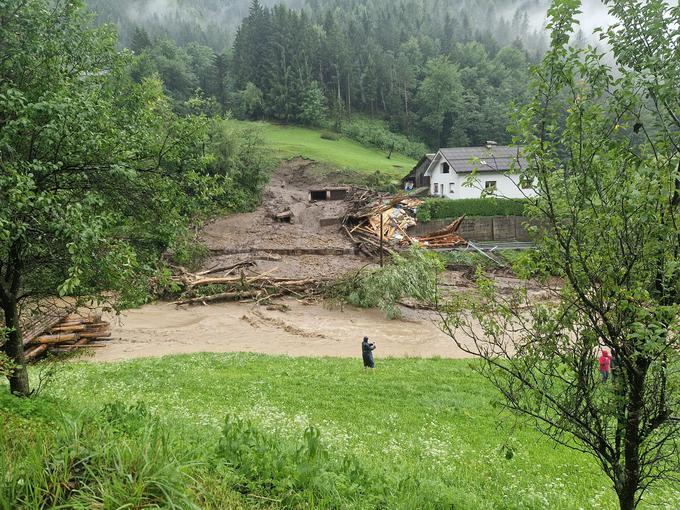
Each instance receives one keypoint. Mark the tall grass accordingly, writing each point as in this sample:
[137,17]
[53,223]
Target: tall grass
[308,474]
[299,475]
[121,457]
[125,457]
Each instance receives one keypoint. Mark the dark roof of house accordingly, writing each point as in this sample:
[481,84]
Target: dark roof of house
[491,158]
[426,157]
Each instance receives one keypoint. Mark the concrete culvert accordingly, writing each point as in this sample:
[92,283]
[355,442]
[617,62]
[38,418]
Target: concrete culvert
[317,195]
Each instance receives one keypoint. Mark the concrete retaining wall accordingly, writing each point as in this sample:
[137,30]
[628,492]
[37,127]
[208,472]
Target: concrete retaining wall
[481,228]
[285,251]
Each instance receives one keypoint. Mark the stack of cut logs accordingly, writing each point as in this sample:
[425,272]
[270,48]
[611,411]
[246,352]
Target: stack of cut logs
[247,285]
[71,332]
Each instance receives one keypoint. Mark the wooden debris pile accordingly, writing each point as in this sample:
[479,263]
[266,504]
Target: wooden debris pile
[363,223]
[248,285]
[443,239]
[358,197]
[64,334]
[395,215]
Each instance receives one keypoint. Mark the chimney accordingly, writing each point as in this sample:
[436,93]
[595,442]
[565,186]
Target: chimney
[490,144]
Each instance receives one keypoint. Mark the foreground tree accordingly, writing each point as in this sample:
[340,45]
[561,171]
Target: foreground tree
[95,170]
[603,145]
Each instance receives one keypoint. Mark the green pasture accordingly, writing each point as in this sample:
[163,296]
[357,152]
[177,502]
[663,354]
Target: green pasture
[342,154]
[431,431]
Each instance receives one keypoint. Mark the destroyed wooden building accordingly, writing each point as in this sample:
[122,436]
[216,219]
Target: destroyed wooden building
[383,225]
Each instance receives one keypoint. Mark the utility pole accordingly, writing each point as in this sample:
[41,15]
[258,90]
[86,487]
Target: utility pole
[382,233]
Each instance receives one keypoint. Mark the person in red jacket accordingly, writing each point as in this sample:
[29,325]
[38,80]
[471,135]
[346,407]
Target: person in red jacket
[605,363]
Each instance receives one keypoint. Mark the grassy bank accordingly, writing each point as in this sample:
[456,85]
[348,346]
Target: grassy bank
[412,434]
[343,154]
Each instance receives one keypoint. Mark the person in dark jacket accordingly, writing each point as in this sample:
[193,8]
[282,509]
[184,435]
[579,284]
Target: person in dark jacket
[367,349]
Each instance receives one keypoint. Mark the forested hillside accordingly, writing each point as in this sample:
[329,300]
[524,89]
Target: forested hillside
[440,72]
[214,22]
[436,71]
[432,77]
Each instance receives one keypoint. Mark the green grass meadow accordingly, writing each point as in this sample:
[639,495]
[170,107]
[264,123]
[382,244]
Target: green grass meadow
[414,433]
[343,154]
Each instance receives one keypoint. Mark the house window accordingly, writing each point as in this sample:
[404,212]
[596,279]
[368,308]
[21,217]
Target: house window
[452,186]
[526,183]
[490,186]
[445,168]
[436,188]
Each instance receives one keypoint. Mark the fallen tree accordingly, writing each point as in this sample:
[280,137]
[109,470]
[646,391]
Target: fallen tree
[255,286]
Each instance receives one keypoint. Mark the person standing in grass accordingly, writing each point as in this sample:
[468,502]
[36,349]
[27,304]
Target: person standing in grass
[605,363]
[367,349]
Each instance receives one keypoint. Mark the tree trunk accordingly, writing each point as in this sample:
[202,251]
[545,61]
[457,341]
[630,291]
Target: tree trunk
[629,481]
[14,347]
[406,110]
[349,97]
[626,501]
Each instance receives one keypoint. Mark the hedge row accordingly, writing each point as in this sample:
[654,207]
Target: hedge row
[438,208]
[377,134]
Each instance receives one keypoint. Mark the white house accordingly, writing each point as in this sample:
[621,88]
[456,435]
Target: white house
[496,170]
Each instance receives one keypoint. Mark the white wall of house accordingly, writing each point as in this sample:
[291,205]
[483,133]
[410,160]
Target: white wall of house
[442,184]
[506,185]
[454,185]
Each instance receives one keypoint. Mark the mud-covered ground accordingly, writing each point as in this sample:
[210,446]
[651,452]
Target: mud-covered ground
[245,236]
[294,327]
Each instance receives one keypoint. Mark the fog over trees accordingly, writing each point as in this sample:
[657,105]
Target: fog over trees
[438,71]
[323,62]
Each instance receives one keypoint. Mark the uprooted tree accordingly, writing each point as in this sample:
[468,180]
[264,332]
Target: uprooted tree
[603,145]
[96,173]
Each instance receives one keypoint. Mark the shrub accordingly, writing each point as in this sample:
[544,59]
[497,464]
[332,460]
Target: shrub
[412,275]
[439,208]
[330,135]
[377,180]
[293,474]
[376,133]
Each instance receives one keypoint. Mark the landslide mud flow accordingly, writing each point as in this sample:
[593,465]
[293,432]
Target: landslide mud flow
[302,248]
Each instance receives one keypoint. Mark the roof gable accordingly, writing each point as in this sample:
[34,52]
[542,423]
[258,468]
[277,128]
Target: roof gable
[433,163]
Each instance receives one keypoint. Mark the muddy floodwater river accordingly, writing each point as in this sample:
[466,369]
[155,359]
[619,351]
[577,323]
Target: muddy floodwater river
[302,330]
